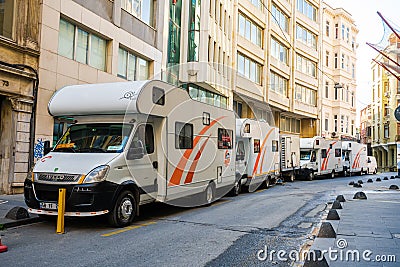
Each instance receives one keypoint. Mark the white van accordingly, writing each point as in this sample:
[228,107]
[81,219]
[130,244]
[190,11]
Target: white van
[354,158]
[289,156]
[257,153]
[320,156]
[372,166]
[133,143]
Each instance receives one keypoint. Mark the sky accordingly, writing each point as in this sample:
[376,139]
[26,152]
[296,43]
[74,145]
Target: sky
[371,30]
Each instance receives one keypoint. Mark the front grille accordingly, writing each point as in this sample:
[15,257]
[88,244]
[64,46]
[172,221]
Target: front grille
[57,177]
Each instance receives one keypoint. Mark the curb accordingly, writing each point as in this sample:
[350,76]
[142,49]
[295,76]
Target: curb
[11,224]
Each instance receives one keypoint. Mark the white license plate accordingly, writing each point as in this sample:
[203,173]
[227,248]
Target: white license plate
[48,206]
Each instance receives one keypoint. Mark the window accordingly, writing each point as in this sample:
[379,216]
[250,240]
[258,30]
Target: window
[336,60]
[132,67]
[200,94]
[279,51]
[336,31]
[306,95]
[225,138]
[347,34]
[158,96]
[6,18]
[327,123]
[142,9]
[343,29]
[278,84]
[326,89]
[249,68]
[240,151]
[256,145]
[184,135]
[342,61]
[144,134]
[386,131]
[257,3]
[288,124]
[353,71]
[280,18]
[327,28]
[306,36]
[174,40]
[336,122]
[274,145]
[79,45]
[306,65]
[249,30]
[338,152]
[237,107]
[336,93]
[323,153]
[327,58]
[342,123]
[194,30]
[307,9]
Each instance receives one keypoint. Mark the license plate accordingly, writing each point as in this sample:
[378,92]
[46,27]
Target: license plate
[48,206]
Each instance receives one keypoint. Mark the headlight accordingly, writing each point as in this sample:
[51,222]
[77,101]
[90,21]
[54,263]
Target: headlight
[30,175]
[98,174]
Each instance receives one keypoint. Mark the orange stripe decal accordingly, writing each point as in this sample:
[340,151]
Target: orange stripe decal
[179,169]
[261,149]
[325,162]
[357,159]
[189,176]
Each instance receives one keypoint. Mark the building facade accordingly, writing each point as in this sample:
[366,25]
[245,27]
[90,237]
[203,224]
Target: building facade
[19,55]
[338,58]
[365,127]
[385,99]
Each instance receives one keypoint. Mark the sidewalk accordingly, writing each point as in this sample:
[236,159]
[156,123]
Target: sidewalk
[7,202]
[368,232]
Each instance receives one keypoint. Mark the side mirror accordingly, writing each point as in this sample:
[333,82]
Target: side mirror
[46,147]
[136,151]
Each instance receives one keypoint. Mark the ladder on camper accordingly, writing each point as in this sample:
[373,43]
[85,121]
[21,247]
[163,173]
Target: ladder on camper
[283,153]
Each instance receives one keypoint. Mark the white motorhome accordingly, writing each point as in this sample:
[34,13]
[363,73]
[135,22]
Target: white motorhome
[320,156]
[354,158]
[289,156]
[133,143]
[257,153]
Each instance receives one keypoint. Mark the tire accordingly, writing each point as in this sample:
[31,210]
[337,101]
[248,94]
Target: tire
[375,171]
[345,173]
[267,183]
[332,175]
[310,176]
[290,178]
[209,194]
[124,210]
[235,191]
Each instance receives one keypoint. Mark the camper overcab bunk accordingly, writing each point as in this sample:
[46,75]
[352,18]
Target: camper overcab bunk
[354,158]
[320,156]
[257,153]
[132,143]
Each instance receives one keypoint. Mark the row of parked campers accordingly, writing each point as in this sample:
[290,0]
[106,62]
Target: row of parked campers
[133,143]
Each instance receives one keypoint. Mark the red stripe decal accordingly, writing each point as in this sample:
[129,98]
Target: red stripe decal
[357,159]
[189,176]
[179,169]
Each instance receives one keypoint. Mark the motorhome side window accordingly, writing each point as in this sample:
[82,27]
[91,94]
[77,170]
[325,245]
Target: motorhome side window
[225,138]
[183,135]
[240,152]
[158,96]
[144,136]
[256,145]
[338,152]
[323,153]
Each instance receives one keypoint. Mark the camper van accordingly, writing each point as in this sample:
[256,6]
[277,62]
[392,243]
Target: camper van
[372,166]
[132,143]
[289,156]
[257,153]
[320,157]
[354,158]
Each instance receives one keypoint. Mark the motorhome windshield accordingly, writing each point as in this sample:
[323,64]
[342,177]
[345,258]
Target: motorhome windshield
[94,138]
[305,155]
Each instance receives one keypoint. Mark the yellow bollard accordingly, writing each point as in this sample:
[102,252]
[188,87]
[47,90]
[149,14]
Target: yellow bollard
[61,210]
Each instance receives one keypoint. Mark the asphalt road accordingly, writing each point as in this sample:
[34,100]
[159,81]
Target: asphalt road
[230,232]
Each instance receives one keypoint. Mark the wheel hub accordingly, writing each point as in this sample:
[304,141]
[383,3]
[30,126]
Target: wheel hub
[126,209]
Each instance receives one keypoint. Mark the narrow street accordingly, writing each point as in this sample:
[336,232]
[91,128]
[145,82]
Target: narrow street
[228,233]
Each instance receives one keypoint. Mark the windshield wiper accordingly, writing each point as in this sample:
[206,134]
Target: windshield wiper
[92,149]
